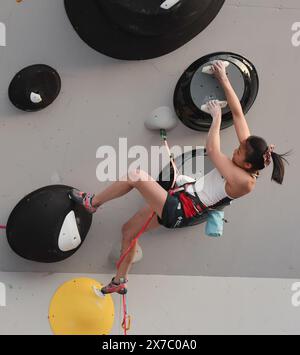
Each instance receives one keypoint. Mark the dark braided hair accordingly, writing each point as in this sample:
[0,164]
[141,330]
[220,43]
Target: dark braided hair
[256,148]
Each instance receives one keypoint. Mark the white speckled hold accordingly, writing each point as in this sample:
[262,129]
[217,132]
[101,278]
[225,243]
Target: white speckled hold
[162,118]
[209,70]
[204,108]
[35,98]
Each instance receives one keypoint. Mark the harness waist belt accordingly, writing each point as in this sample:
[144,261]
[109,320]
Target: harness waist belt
[192,205]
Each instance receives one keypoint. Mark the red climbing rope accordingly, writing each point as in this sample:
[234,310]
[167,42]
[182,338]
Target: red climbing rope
[133,243]
[126,318]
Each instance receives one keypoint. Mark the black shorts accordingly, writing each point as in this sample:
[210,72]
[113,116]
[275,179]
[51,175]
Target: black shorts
[173,216]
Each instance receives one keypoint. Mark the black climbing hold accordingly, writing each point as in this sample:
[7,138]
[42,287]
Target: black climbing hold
[34,88]
[140,29]
[43,225]
[196,88]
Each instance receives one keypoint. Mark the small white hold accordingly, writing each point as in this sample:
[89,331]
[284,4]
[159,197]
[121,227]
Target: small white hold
[168,4]
[35,98]
[209,69]
[98,292]
[205,109]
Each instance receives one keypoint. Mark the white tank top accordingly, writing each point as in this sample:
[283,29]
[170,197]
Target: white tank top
[210,188]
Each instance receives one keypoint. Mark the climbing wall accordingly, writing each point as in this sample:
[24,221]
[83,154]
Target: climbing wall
[103,99]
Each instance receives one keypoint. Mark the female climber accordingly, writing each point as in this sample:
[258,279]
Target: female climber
[231,179]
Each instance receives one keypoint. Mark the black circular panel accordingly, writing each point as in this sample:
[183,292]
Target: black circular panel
[39,80]
[194,163]
[196,88]
[139,29]
[35,223]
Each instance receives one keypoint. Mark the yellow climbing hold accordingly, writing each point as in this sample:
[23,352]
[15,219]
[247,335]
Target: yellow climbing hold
[79,308]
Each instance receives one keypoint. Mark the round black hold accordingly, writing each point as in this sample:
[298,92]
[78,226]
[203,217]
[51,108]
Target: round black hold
[196,88]
[34,88]
[34,225]
[139,29]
